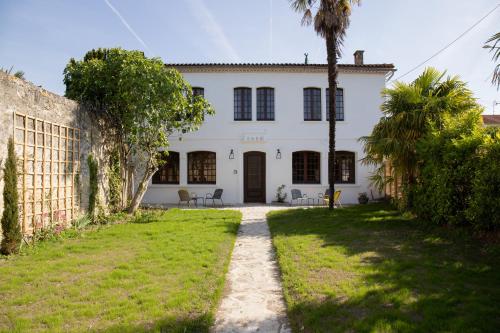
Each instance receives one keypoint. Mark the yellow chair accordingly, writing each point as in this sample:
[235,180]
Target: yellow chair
[336,198]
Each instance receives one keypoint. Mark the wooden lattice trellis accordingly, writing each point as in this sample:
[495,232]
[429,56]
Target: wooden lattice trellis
[49,169]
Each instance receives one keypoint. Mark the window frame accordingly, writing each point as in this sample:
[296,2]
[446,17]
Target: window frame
[198,89]
[342,106]
[244,101]
[310,103]
[306,156]
[265,107]
[192,158]
[351,157]
[156,179]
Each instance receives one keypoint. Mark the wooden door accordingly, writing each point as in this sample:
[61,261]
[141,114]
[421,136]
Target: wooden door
[254,176]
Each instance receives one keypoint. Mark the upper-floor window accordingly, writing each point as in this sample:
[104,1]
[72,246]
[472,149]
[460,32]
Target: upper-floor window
[345,167]
[168,173]
[339,109]
[242,104]
[312,104]
[306,167]
[198,91]
[265,103]
[201,167]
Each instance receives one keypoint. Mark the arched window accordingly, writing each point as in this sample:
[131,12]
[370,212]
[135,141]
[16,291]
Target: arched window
[312,104]
[265,103]
[242,103]
[345,167]
[306,167]
[198,91]
[339,109]
[168,173]
[201,167]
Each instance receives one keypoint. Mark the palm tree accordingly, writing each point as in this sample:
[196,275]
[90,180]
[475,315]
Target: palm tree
[331,19]
[495,48]
[409,112]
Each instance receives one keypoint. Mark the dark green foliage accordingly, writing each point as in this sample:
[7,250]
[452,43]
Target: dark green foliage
[93,186]
[12,236]
[484,207]
[459,183]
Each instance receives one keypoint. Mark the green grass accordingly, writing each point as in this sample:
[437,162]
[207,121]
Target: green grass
[163,275]
[368,269]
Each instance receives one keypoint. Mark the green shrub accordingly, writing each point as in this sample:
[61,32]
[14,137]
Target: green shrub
[459,181]
[484,209]
[93,186]
[11,229]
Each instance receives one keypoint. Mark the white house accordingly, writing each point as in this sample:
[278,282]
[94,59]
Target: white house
[271,128]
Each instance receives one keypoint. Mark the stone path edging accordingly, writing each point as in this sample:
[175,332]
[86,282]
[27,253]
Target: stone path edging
[254,298]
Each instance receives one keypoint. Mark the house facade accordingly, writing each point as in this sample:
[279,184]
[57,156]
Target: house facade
[271,128]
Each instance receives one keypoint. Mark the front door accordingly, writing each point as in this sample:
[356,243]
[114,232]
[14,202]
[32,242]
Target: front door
[255,176]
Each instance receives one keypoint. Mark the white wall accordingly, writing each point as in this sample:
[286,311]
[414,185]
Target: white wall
[288,132]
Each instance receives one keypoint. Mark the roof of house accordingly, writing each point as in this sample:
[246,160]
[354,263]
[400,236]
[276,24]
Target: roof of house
[490,119]
[278,67]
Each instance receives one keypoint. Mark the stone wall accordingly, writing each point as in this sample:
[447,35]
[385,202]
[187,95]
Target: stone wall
[17,95]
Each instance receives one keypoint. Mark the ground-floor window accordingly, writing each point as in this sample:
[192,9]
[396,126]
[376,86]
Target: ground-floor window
[306,167]
[201,167]
[168,173]
[345,167]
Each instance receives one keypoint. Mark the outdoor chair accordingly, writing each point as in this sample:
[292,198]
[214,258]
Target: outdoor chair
[217,195]
[185,197]
[326,198]
[298,197]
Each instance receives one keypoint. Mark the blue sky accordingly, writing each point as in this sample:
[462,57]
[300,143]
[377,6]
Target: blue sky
[39,37]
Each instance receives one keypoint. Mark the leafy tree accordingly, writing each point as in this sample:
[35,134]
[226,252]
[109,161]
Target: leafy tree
[495,48]
[11,230]
[139,102]
[331,20]
[409,110]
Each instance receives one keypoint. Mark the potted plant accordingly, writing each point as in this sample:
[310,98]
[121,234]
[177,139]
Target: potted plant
[281,194]
[363,198]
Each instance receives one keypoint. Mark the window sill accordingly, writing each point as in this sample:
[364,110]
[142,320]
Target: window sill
[181,185]
[313,122]
[246,122]
[163,185]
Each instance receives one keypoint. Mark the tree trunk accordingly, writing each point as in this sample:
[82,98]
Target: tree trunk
[143,186]
[331,51]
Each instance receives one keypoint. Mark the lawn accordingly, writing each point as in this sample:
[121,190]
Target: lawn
[368,269]
[165,274]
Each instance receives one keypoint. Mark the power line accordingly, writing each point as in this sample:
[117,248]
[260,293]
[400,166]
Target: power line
[450,44]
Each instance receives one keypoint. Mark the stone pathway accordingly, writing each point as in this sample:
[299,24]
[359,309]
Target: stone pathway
[254,298]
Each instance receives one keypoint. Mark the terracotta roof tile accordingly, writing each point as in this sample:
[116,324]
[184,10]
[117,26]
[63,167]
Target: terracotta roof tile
[490,119]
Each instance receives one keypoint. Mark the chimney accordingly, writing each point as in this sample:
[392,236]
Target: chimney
[358,57]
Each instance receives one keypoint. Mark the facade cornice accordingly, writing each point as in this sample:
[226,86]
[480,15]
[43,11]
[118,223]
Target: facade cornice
[283,67]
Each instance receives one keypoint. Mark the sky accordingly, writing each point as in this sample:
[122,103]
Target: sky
[39,37]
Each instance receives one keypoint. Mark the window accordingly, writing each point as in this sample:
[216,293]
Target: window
[265,103]
[198,91]
[169,171]
[242,104]
[344,167]
[339,110]
[306,167]
[312,104]
[201,167]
